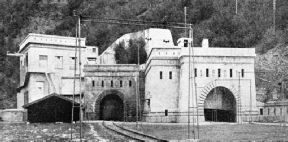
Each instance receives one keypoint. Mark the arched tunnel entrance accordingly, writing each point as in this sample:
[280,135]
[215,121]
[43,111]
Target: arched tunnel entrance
[220,105]
[111,108]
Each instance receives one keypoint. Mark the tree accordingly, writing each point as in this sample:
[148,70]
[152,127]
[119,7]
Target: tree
[3,51]
[135,46]
[129,55]
[121,55]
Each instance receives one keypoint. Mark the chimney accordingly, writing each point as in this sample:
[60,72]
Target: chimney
[205,43]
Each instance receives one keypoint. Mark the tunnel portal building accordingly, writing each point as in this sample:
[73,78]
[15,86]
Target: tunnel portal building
[218,83]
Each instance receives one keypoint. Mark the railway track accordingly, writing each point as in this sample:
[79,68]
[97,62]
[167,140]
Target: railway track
[130,134]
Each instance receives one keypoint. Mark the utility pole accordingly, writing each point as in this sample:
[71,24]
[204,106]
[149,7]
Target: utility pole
[137,88]
[74,80]
[189,86]
[185,20]
[236,6]
[80,92]
[238,98]
[195,98]
[250,103]
[274,16]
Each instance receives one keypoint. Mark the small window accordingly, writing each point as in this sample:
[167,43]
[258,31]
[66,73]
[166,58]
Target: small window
[185,43]
[261,111]
[43,57]
[43,60]
[58,62]
[72,63]
[231,73]
[102,83]
[26,60]
[195,72]
[242,72]
[207,72]
[91,59]
[93,83]
[93,49]
[120,83]
[111,83]
[130,83]
[26,97]
[274,111]
[219,72]
[268,111]
[170,74]
[160,74]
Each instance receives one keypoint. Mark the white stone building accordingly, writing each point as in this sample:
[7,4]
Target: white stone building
[220,94]
[47,65]
[223,77]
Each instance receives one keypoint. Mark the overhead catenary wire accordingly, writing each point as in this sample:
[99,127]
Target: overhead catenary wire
[84,18]
[138,24]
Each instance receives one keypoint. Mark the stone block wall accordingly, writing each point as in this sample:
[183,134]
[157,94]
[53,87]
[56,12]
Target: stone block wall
[12,115]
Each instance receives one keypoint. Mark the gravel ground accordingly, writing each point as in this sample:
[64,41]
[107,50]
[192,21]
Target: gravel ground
[43,131]
[215,132]
[96,132]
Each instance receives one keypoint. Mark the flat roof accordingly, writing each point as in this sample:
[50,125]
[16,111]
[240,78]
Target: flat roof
[50,40]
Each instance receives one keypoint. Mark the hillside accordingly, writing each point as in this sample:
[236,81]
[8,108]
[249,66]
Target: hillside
[252,26]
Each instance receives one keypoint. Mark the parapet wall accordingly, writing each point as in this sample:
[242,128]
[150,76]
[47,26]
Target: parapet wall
[12,115]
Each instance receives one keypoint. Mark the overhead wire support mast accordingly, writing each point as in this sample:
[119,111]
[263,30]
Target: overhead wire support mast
[80,93]
[74,86]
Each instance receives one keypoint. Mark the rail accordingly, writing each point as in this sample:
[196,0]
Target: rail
[131,134]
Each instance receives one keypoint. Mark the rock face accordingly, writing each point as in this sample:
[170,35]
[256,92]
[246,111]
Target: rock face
[271,72]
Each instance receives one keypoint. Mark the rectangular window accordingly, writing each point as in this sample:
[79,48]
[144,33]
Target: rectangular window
[72,63]
[120,83]
[207,72]
[219,72]
[170,74]
[43,61]
[268,111]
[195,72]
[26,97]
[242,72]
[93,83]
[160,74]
[261,111]
[93,49]
[185,43]
[130,83]
[102,83]
[59,62]
[91,61]
[26,60]
[40,90]
[231,73]
[111,83]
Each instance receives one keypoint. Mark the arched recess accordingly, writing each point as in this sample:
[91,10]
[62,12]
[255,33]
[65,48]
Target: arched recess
[230,85]
[108,94]
[220,105]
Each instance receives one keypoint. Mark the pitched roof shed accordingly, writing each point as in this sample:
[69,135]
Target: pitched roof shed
[52,108]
